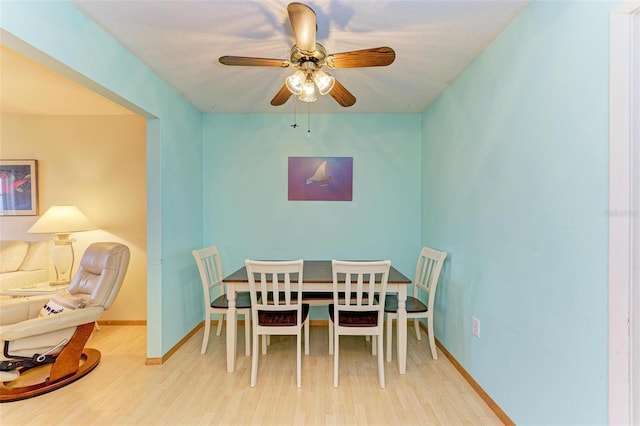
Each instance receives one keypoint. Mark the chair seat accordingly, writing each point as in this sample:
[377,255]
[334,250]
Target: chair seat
[282,318]
[243,301]
[413,305]
[355,319]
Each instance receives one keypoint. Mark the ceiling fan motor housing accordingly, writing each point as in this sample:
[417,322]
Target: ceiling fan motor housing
[299,57]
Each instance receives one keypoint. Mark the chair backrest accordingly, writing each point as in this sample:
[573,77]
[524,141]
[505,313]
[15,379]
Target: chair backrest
[427,274]
[360,282]
[210,268]
[101,273]
[275,282]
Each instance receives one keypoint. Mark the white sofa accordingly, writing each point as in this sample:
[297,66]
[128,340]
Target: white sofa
[23,263]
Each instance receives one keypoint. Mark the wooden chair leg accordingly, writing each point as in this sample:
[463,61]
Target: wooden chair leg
[416,325]
[205,336]
[335,360]
[389,336]
[306,337]
[220,323]
[330,337]
[380,363]
[254,359]
[299,359]
[432,339]
[247,334]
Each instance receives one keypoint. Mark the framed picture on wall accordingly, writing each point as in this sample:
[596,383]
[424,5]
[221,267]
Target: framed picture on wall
[18,188]
[321,178]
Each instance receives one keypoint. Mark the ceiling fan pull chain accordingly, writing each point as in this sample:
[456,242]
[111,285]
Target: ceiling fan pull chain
[295,117]
[308,120]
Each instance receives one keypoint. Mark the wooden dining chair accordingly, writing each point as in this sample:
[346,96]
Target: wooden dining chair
[361,314]
[215,296]
[420,305]
[277,307]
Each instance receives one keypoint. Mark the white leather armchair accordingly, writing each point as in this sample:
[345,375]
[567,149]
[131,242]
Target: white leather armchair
[50,332]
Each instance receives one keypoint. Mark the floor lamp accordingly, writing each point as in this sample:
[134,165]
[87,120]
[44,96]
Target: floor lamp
[62,221]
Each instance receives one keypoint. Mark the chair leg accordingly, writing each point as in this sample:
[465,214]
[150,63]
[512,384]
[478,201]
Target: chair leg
[220,322]
[374,345]
[432,339]
[336,338]
[254,359]
[265,339]
[306,337]
[330,337]
[299,360]
[380,362]
[389,336]
[416,325]
[247,334]
[205,337]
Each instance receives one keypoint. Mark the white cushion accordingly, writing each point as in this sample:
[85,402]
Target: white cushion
[37,256]
[61,302]
[12,254]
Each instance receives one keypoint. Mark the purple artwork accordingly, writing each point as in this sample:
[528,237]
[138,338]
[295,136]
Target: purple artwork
[18,188]
[321,178]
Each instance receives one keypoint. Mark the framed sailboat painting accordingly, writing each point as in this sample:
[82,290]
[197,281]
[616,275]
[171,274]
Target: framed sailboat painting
[320,178]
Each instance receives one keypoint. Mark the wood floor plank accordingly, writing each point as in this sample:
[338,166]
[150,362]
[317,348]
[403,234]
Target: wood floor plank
[194,389]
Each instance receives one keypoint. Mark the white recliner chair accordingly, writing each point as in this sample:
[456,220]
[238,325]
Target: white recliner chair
[44,332]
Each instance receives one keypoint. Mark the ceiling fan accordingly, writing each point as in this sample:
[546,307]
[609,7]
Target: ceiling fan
[309,57]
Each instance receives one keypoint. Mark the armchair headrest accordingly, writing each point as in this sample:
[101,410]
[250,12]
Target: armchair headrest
[101,273]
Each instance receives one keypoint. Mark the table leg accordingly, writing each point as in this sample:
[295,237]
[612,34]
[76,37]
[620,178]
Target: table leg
[402,329]
[231,328]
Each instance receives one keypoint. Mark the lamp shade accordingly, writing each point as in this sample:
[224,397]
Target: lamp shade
[308,93]
[295,81]
[62,220]
[324,81]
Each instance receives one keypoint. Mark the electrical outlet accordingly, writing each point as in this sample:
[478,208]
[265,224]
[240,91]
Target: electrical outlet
[475,326]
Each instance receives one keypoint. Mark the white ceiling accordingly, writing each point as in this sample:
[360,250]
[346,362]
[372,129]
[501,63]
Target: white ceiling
[182,41]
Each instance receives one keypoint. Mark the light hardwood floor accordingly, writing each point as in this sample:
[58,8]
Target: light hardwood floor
[194,389]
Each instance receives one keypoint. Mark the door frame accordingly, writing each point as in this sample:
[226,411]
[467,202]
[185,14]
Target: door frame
[624,284]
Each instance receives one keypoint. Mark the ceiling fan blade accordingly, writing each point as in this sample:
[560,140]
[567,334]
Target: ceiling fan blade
[253,62]
[375,57]
[281,97]
[342,95]
[303,24]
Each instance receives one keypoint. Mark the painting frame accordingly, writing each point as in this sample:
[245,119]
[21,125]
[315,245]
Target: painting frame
[320,179]
[18,187]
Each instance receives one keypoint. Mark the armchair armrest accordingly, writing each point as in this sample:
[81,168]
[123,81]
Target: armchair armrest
[50,323]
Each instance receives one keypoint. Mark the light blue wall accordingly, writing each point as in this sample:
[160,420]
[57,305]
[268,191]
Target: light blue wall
[246,210]
[515,172]
[56,33]
[513,175]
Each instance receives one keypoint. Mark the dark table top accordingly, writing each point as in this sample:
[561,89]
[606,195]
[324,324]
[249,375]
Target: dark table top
[317,271]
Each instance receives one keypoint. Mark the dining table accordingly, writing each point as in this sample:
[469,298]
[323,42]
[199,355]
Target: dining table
[317,277]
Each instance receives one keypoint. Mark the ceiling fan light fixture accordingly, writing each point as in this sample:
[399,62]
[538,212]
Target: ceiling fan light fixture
[295,82]
[324,81]
[308,93]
